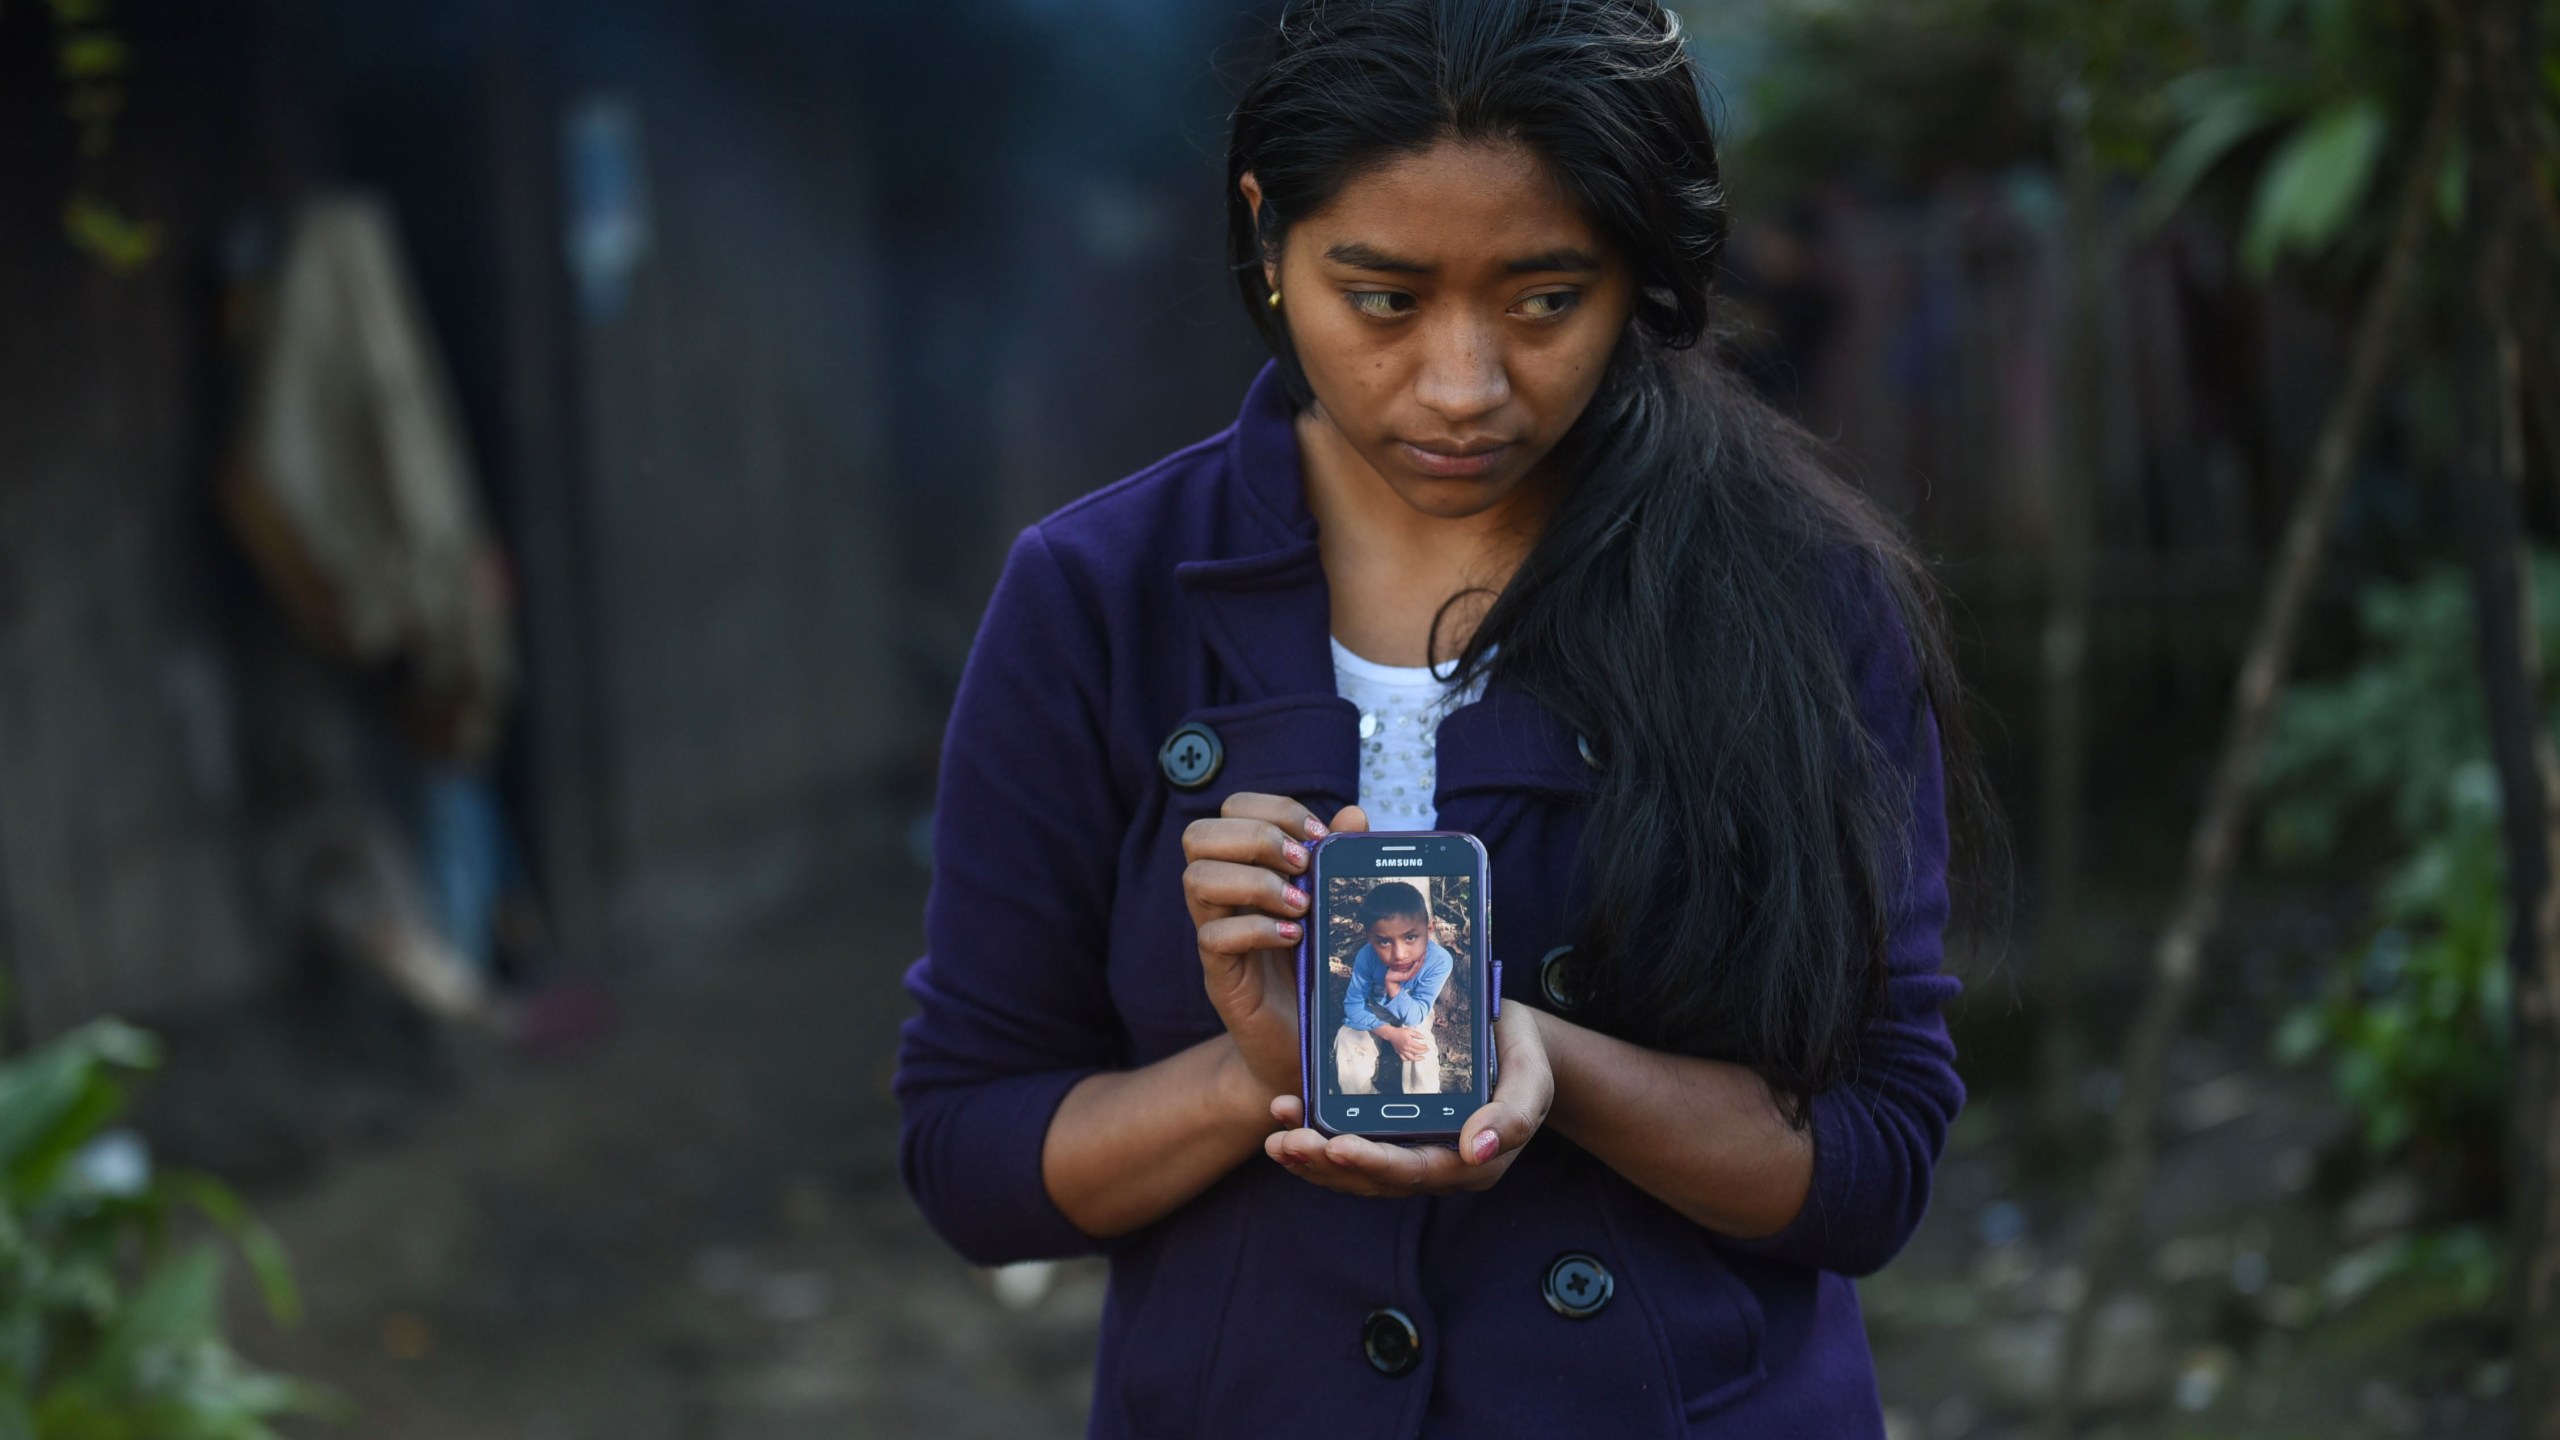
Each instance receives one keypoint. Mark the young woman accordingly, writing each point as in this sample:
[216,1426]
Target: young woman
[1683,683]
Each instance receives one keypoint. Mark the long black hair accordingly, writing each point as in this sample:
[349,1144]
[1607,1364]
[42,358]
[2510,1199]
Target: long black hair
[1687,605]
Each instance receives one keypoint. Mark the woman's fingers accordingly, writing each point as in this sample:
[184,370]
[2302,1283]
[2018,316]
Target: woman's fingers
[1246,841]
[1213,887]
[1397,1167]
[1276,810]
[1249,857]
[1242,864]
[1495,1130]
[1344,1163]
[1235,937]
[1357,1165]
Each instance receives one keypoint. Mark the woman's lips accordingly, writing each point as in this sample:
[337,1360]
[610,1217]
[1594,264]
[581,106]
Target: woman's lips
[1436,462]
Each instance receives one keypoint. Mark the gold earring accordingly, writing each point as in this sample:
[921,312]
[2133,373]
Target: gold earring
[1275,299]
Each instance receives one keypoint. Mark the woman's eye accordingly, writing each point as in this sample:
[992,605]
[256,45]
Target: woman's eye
[1378,304]
[1551,305]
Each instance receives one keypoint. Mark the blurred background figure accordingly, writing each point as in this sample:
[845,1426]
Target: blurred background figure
[494,498]
[355,500]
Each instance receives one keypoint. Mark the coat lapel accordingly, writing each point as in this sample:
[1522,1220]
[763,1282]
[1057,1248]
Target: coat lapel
[1266,615]
[1264,612]
[1266,618]
[1508,741]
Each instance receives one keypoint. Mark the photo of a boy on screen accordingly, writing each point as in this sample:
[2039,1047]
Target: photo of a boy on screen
[1398,973]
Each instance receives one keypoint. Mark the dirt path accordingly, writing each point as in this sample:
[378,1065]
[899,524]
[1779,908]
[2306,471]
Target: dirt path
[691,1230]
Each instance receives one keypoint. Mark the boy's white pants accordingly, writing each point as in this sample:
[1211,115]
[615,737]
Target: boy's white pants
[1355,1062]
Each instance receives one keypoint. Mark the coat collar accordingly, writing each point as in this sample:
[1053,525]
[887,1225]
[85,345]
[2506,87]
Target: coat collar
[1263,447]
[1266,609]
[1267,614]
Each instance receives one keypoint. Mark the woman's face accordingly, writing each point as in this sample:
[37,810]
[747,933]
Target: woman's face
[1453,311]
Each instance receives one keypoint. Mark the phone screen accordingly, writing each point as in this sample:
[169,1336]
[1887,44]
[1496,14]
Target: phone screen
[1398,983]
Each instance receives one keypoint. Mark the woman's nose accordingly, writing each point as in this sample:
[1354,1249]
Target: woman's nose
[1463,377]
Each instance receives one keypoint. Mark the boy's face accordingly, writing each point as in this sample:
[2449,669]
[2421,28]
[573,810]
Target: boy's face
[1400,941]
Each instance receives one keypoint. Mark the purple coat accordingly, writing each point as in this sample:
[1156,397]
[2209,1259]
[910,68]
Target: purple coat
[1059,946]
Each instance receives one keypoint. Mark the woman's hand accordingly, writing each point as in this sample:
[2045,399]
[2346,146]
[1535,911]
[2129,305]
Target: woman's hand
[1488,1142]
[1247,892]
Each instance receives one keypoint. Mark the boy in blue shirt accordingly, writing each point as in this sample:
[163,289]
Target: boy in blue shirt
[1395,980]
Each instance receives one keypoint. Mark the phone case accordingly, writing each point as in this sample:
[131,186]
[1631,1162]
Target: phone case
[1488,976]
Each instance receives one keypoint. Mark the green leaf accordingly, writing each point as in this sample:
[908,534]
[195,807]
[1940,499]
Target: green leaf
[258,1244]
[178,1302]
[2221,118]
[2313,183]
[53,1099]
[120,242]
[161,1372]
[2301,1035]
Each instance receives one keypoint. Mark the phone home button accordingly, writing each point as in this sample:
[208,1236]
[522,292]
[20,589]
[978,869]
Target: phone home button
[1400,1112]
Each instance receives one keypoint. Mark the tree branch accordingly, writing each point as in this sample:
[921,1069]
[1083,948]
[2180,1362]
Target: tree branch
[2213,846]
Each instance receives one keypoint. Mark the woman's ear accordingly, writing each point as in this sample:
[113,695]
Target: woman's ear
[1252,191]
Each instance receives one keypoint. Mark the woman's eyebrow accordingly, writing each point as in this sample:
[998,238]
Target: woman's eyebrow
[1567,258]
[1369,257]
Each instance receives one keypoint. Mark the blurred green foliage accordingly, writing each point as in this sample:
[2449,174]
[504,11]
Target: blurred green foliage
[95,63]
[2282,120]
[2417,1275]
[2301,100]
[2392,759]
[2284,114]
[110,1329]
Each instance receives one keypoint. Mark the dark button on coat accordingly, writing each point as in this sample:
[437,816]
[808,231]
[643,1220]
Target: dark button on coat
[1058,946]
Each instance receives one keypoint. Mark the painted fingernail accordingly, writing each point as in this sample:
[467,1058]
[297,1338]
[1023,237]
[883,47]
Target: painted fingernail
[1486,1144]
[1315,828]
[1288,929]
[1296,897]
[1295,853]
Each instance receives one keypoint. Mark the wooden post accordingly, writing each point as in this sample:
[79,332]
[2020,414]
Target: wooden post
[2491,481]
[2499,222]
[2064,741]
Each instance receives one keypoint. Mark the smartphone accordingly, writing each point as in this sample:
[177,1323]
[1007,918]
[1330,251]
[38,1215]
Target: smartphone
[1396,995]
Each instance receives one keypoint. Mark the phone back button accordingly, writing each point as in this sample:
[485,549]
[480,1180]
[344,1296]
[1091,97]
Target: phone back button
[1400,1112]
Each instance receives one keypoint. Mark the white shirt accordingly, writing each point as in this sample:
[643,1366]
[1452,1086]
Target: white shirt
[1400,711]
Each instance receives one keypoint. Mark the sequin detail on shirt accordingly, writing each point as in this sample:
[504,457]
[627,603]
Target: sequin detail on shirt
[1400,711]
